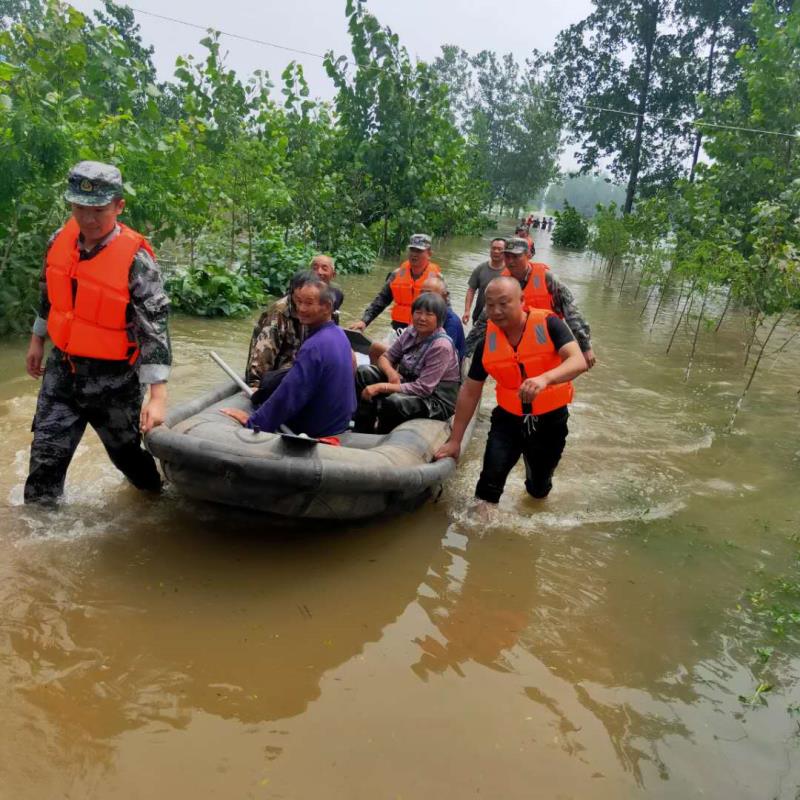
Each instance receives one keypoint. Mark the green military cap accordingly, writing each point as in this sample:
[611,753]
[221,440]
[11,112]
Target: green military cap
[419,241]
[92,183]
[516,246]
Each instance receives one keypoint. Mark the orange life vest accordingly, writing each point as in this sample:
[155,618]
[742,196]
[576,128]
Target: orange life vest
[91,322]
[535,294]
[406,289]
[534,355]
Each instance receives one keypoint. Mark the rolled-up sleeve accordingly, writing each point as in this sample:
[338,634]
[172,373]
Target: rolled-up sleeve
[564,305]
[148,320]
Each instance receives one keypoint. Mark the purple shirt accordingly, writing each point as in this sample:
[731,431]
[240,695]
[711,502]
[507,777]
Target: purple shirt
[318,396]
[431,359]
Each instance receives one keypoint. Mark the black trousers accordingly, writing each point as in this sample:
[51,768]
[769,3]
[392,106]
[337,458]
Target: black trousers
[389,410]
[541,450]
[104,394]
[270,381]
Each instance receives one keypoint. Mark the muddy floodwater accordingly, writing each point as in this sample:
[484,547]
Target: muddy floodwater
[595,645]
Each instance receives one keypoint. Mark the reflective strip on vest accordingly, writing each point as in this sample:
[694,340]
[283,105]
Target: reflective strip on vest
[405,290]
[536,354]
[91,321]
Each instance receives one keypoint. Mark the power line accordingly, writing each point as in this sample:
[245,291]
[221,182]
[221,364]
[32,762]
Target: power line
[695,122]
[227,33]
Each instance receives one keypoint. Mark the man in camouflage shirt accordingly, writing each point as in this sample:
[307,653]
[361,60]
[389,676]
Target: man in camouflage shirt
[563,305]
[278,334]
[100,379]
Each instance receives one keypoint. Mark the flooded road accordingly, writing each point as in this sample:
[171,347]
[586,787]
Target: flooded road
[594,646]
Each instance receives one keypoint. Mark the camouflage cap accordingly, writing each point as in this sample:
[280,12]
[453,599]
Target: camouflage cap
[516,246]
[92,183]
[419,241]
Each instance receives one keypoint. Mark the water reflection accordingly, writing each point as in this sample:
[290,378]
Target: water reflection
[140,629]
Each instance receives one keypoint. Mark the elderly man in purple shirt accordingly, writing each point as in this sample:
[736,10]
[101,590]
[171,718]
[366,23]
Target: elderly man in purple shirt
[418,376]
[317,396]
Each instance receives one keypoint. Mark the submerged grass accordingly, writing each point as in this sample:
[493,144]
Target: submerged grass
[771,616]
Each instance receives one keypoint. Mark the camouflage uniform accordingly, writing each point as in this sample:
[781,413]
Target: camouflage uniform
[276,338]
[563,305]
[385,297]
[105,394]
[382,300]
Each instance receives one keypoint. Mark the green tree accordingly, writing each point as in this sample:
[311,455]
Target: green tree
[398,135]
[506,112]
[631,57]
[572,230]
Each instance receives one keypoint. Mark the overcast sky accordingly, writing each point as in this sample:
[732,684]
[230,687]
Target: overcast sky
[319,25]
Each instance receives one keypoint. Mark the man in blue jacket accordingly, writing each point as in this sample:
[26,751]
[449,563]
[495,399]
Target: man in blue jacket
[452,324]
[317,397]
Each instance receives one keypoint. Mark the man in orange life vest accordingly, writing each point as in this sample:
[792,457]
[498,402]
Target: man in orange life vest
[403,285]
[540,289]
[533,357]
[104,307]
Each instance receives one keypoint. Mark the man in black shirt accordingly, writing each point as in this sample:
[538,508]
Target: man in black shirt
[533,356]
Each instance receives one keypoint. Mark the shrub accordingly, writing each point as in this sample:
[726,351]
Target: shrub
[212,291]
[571,230]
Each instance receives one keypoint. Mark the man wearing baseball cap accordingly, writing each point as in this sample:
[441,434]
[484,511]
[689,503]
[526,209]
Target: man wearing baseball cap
[403,285]
[540,289]
[103,306]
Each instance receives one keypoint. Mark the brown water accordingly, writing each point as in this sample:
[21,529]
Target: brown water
[588,647]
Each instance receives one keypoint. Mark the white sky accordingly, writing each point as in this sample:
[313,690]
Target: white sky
[319,25]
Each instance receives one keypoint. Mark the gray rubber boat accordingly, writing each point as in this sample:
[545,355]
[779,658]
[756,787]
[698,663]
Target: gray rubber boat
[209,456]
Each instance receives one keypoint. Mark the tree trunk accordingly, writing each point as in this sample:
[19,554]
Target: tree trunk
[385,233]
[644,94]
[661,296]
[708,90]
[639,286]
[724,310]
[680,318]
[756,322]
[647,301]
[696,333]
[624,276]
[746,389]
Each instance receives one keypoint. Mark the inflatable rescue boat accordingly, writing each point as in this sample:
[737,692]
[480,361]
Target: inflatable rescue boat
[209,456]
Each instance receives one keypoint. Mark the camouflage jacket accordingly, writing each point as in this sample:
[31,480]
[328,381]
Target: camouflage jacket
[382,300]
[147,315]
[276,338]
[563,305]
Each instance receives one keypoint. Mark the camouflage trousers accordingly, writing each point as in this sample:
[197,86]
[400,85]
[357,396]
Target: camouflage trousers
[106,395]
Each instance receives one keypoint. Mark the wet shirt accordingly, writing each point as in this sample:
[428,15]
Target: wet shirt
[318,394]
[478,281]
[560,335]
[147,314]
[563,305]
[426,361]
